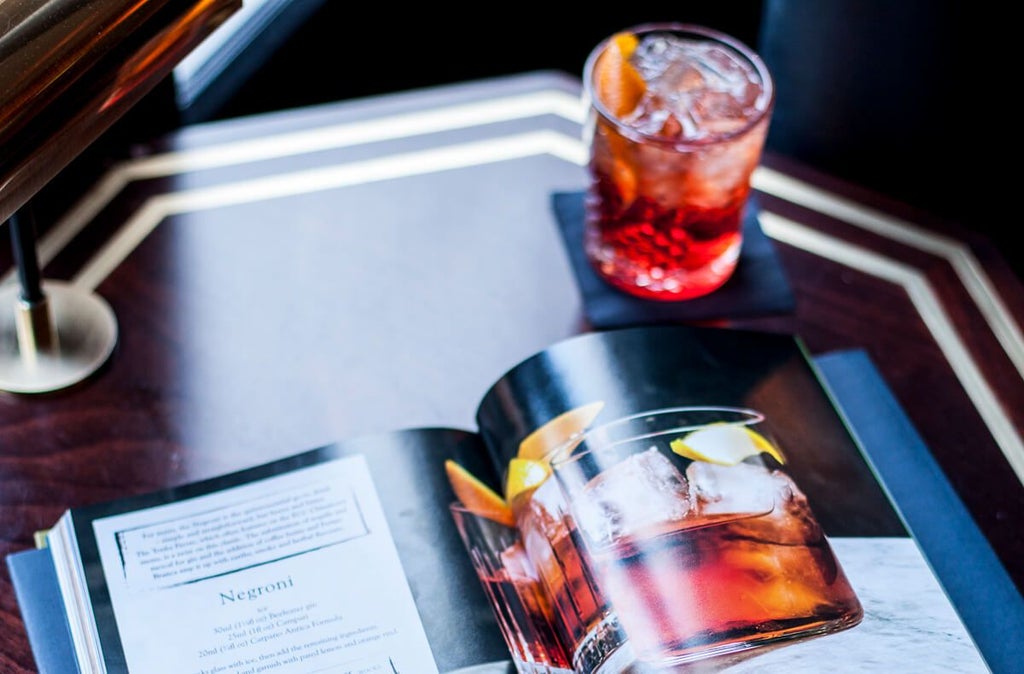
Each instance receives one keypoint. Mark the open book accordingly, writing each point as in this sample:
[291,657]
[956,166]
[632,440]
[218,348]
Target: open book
[346,558]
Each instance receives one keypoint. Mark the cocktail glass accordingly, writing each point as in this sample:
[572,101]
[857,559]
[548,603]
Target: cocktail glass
[678,116]
[514,590]
[582,617]
[698,537]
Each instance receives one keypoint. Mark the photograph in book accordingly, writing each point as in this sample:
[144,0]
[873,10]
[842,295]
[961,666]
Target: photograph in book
[635,499]
[695,496]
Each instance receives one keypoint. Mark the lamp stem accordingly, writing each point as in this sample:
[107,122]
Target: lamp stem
[23,248]
[33,318]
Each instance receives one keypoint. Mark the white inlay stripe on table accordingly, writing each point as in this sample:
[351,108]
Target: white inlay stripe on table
[959,256]
[571,149]
[449,157]
[928,306]
[508,148]
[318,139]
[558,103]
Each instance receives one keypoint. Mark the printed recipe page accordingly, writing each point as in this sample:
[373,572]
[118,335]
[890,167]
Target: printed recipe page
[293,573]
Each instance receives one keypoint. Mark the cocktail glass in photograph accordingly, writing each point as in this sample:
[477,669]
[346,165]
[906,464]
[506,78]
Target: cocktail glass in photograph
[514,590]
[677,119]
[699,538]
[582,616]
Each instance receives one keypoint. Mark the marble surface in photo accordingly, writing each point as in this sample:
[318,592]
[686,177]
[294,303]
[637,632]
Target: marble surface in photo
[909,625]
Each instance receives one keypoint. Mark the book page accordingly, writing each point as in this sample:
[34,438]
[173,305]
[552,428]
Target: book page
[645,502]
[293,573]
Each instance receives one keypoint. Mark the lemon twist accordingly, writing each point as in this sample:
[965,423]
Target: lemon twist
[724,444]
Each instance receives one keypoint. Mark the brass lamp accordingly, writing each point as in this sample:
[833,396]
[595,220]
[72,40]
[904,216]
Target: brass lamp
[68,70]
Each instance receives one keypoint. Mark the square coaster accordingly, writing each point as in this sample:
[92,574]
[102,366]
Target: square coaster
[758,286]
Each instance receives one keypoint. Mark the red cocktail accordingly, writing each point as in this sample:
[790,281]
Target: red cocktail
[677,121]
[514,590]
[700,541]
[581,615]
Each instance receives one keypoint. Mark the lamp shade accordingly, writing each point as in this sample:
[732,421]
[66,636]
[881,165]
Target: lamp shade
[70,68]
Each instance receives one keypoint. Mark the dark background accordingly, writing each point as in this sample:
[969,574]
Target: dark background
[866,89]
[871,91]
[335,56]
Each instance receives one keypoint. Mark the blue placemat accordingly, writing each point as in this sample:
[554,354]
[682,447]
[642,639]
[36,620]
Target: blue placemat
[970,571]
[758,286]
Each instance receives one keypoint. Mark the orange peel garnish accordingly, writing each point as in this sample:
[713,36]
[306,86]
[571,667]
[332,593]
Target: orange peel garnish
[476,496]
[617,83]
[552,434]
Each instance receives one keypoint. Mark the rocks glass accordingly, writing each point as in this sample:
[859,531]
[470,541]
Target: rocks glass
[698,538]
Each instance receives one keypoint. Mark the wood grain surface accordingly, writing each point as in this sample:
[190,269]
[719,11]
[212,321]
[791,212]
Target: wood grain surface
[285,280]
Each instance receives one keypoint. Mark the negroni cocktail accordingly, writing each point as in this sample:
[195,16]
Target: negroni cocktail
[514,591]
[677,121]
[581,615]
[698,538]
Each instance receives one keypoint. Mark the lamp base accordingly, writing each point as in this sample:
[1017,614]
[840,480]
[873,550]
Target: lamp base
[78,340]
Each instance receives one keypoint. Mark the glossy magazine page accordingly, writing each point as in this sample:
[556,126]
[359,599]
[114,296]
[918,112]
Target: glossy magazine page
[680,514]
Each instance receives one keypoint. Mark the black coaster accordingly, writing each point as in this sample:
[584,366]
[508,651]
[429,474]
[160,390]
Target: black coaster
[757,287]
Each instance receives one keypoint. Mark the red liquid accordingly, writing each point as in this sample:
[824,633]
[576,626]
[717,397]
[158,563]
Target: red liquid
[695,591]
[555,555]
[682,254]
[578,608]
[671,160]
[671,237]
[523,612]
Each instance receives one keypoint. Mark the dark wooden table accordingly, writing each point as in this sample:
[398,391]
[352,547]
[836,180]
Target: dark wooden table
[282,281]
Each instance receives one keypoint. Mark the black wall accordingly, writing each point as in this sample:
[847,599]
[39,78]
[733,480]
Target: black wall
[871,91]
[340,54]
